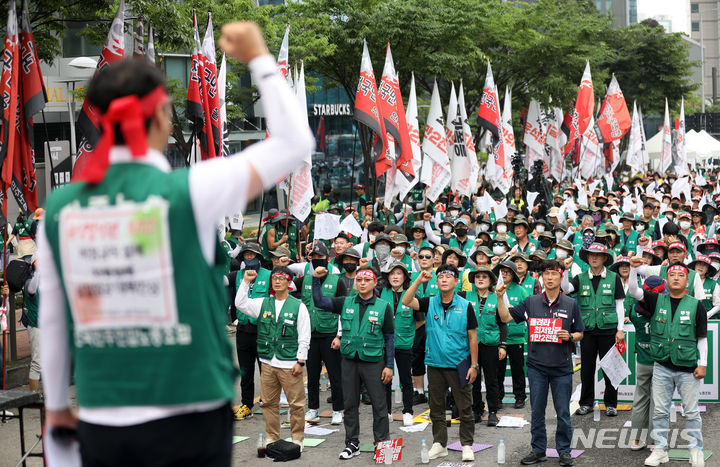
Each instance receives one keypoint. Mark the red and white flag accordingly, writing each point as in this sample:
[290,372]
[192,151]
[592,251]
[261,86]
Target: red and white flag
[88,122]
[614,119]
[9,89]
[151,46]
[469,142]
[436,172]
[402,184]
[195,98]
[535,134]
[634,151]
[211,104]
[554,142]
[508,135]
[459,161]
[591,153]
[681,143]
[222,89]
[301,184]
[491,118]
[139,41]
[489,115]
[283,61]
[367,112]
[666,151]
[585,103]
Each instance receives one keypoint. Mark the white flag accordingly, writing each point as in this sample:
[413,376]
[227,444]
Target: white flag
[508,132]
[151,46]
[301,186]
[591,153]
[459,161]
[644,151]
[634,157]
[666,151]
[283,64]
[222,83]
[535,134]
[402,185]
[681,143]
[436,164]
[469,143]
[555,141]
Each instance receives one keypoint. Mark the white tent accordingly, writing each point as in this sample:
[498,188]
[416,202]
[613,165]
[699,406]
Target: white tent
[700,146]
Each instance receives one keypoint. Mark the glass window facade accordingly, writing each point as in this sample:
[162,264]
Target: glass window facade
[694,8]
[74,45]
[695,26]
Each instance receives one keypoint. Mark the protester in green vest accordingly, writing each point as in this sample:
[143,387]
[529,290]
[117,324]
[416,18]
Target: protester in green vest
[402,252]
[677,253]
[524,242]
[340,243]
[678,347]
[365,338]
[283,340]
[147,336]
[24,230]
[601,295]
[427,289]
[398,280]
[419,239]
[246,330]
[628,235]
[286,227]
[30,320]
[451,355]
[382,247]
[492,341]
[348,262]
[516,336]
[457,258]
[711,290]
[362,197]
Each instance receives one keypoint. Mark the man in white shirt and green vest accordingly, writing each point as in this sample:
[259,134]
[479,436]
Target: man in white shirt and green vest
[283,339]
[131,271]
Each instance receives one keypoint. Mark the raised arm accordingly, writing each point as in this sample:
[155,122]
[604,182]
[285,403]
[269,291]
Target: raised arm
[246,305]
[409,298]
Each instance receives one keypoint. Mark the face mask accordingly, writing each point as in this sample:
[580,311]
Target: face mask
[546,243]
[382,251]
[675,205]
[483,227]
[640,228]
[319,263]
[559,236]
[454,213]
[501,229]
[252,264]
[499,250]
[371,238]
[561,254]
[684,225]
[446,229]
[600,204]
[461,232]
[540,228]
[349,267]
[557,204]
[588,240]
[596,218]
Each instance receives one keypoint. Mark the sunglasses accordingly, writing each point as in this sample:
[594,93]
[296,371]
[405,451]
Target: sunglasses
[425,256]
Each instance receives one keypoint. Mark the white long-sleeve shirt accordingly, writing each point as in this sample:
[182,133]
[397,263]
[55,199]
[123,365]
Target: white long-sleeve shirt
[568,288]
[218,188]
[252,306]
[698,289]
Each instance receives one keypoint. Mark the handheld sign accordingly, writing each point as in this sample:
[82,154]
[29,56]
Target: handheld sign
[545,329]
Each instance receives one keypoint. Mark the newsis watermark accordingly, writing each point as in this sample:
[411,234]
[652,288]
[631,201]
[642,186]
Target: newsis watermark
[613,438]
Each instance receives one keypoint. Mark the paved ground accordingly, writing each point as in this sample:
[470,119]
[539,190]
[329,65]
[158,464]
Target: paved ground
[517,440]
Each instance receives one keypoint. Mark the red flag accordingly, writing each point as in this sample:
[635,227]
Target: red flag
[321,134]
[194,111]
[585,103]
[393,112]
[211,104]
[9,84]
[88,122]
[614,120]
[570,128]
[489,114]
[367,112]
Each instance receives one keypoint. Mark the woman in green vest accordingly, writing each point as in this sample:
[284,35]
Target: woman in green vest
[401,252]
[406,321]
[492,339]
[457,258]
[703,267]
[286,228]
[426,255]
[516,337]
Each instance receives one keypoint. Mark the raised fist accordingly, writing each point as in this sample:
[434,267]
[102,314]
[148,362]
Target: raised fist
[243,41]
[250,275]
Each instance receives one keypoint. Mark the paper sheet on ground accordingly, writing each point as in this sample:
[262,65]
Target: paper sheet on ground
[318,430]
[553,453]
[237,439]
[614,366]
[512,422]
[456,446]
[415,428]
[308,442]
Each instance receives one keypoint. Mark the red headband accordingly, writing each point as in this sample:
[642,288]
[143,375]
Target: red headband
[558,270]
[130,112]
[678,267]
[367,273]
[281,274]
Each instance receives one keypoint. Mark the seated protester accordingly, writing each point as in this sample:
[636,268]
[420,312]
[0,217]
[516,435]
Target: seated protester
[660,249]
[393,230]
[246,331]
[601,296]
[401,252]
[605,237]
[366,341]
[398,280]
[492,340]
[502,227]
[559,231]
[678,346]
[677,253]
[563,249]
[427,289]
[524,243]
[451,347]
[516,337]
[283,339]
[348,262]
[457,258]
[382,246]
[482,256]
[711,297]
[462,239]
[549,364]
[651,257]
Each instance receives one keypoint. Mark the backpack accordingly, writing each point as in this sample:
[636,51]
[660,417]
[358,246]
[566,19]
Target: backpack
[17,273]
[281,451]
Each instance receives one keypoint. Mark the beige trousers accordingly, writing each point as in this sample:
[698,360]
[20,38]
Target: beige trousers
[272,382]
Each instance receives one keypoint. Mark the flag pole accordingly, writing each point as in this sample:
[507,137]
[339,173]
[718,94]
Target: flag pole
[262,208]
[352,171]
[47,144]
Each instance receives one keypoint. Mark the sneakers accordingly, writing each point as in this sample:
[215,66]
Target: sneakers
[437,450]
[419,398]
[312,416]
[408,419]
[468,454]
[337,418]
[657,457]
[583,410]
[611,412]
[533,458]
[637,445]
[519,404]
[566,459]
[492,419]
[351,450]
[390,418]
[697,458]
[241,412]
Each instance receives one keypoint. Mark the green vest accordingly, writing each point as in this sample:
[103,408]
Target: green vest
[708,287]
[322,321]
[404,321]
[673,338]
[227,248]
[292,239]
[31,303]
[465,247]
[642,331]
[488,331]
[363,339]
[631,243]
[23,227]
[141,364]
[529,284]
[690,289]
[260,289]
[278,336]
[516,332]
[431,288]
[597,309]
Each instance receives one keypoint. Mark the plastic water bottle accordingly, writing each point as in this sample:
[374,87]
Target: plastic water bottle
[424,453]
[398,395]
[501,452]
[388,453]
[261,445]
[596,412]
[673,412]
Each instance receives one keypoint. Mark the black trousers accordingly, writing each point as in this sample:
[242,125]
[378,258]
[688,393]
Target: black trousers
[516,355]
[592,346]
[246,344]
[353,372]
[418,352]
[488,360]
[403,363]
[202,438]
[319,352]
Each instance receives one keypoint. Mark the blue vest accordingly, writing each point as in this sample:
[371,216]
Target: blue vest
[447,340]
